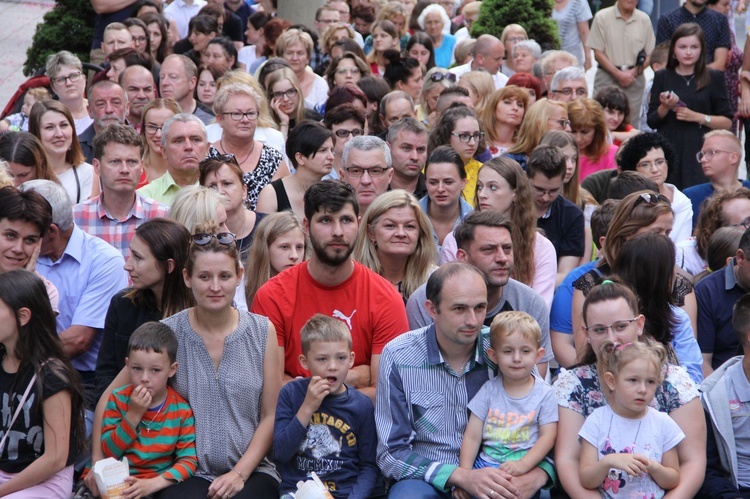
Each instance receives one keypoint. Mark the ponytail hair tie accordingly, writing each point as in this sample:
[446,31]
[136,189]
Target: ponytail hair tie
[607,281]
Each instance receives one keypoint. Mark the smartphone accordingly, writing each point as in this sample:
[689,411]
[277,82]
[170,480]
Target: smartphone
[680,104]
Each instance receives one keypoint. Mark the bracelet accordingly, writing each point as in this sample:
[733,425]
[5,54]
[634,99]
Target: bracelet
[284,125]
[240,474]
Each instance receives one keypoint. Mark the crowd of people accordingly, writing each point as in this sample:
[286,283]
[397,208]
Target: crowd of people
[376,250]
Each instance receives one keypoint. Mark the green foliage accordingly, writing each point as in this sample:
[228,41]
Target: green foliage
[69,26]
[534,15]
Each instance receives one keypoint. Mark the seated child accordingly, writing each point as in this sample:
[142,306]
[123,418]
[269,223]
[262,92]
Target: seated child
[147,421]
[514,416]
[726,399]
[629,449]
[19,122]
[323,425]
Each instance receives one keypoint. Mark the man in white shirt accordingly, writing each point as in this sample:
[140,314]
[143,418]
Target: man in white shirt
[487,54]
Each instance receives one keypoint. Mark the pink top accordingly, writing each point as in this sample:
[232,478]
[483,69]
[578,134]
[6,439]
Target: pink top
[607,161]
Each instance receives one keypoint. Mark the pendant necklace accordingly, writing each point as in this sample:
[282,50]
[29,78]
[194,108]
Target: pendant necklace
[158,410]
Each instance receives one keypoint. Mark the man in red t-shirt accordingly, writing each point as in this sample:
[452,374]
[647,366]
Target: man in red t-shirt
[332,283]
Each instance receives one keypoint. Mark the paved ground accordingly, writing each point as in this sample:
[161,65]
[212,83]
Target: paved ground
[18,22]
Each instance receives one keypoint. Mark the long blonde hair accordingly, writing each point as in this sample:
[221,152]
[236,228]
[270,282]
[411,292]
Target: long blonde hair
[535,125]
[420,264]
[481,83]
[286,74]
[258,262]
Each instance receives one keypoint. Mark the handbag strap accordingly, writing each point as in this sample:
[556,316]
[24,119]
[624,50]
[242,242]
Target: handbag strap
[18,411]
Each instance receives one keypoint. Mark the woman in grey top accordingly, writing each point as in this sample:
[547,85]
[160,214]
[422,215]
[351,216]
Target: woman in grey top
[229,373]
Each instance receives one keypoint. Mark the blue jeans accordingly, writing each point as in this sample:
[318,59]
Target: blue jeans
[416,489]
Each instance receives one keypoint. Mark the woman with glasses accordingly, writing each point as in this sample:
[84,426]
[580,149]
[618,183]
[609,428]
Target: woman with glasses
[310,149]
[460,129]
[345,122]
[435,82]
[158,252]
[395,241]
[687,101]
[653,155]
[67,80]
[237,109]
[445,178]
[155,114]
[544,115]
[611,312]
[346,70]
[287,104]
[503,116]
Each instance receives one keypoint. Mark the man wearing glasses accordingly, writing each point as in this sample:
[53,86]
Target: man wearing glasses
[720,161]
[622,38]
[569,84]
[367,168]
[487,55]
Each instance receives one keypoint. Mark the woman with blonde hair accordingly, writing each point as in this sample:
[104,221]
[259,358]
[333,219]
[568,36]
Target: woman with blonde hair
[296,47]
[395,241]
[196,204]
[435,82]
[279,243]
[480,86]
[502,117]
[155,114]
[503,186]
[285,95]
[511,35]
[544,115]
[589,127]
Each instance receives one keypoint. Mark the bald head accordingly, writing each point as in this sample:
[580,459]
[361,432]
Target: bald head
[139,84]
[488,53]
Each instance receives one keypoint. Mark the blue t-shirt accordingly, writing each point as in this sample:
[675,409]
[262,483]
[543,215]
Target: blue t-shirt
[560,316]
[339,444]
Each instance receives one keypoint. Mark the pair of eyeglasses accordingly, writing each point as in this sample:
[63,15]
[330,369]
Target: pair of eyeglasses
[436,77]
[745,224]
[374,172]
[580,92]
[73,77]
[466,137]
[617,327]
[288,94]
[652,199]
[140,39]
[659,163]
[562,123]
[709,154]
[151,129]
[225,238]
[344,71]
[237,116]
[343,133]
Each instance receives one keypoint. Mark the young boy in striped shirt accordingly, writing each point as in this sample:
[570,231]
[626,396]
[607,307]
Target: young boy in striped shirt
[147,421]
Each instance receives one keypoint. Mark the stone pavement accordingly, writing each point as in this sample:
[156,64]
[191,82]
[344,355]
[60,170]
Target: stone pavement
[18,20]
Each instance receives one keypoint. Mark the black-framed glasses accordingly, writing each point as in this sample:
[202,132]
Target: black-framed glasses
[466,137]
[343,133]
[73,77]
[237,116]
[617,327]
[151,128]
[709,154]
[436,77]
[225,238]
[652,199]
[567,92]
[288,94]
[745,224]
[374,172]
[349,70]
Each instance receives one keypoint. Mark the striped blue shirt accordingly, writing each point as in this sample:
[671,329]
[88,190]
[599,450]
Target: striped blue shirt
[421,409]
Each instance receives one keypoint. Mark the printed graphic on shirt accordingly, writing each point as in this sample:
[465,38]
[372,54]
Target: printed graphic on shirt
[337,314]
[507,431]
[321,450]
[33,434]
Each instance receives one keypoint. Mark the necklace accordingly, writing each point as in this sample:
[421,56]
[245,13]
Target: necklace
[252,148]
[688,81]
[148,425]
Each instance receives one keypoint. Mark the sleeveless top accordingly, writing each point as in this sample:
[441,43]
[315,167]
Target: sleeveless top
[282,200]
[226,402]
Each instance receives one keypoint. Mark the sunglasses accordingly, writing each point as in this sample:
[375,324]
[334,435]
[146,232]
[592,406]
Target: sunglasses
[652,199]
[225,238]
[225,158]
[436,77]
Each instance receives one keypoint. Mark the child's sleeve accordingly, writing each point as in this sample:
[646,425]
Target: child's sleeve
[480,404]
[367,443]
[548,412]
[671,433]
[288,432]
[590,429]
[117,433]
[186,460]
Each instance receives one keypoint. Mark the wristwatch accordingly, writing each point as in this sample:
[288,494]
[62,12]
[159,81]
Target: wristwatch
[707,119]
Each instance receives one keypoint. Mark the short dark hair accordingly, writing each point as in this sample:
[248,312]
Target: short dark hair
[306,138]
[342,113]
[118,134]
[745,243]
[446,154]
[230,51]
[628,182]
[28,206]
[601,218]
[397,68]
[546,159]
[612,97]
[204,24]
[434,287]
[464,233]
[331,195]
[155,337]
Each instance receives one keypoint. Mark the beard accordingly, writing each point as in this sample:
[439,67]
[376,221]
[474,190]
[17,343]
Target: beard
[329,257]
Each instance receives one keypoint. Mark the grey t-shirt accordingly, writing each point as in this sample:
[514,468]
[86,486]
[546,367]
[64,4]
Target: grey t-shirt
[738,389]
[516,296]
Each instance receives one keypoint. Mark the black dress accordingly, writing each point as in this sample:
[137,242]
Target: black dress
[687,137]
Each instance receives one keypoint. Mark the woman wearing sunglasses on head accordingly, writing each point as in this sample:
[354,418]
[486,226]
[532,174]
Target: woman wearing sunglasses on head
[460,129]
[435,81]
[310,149]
